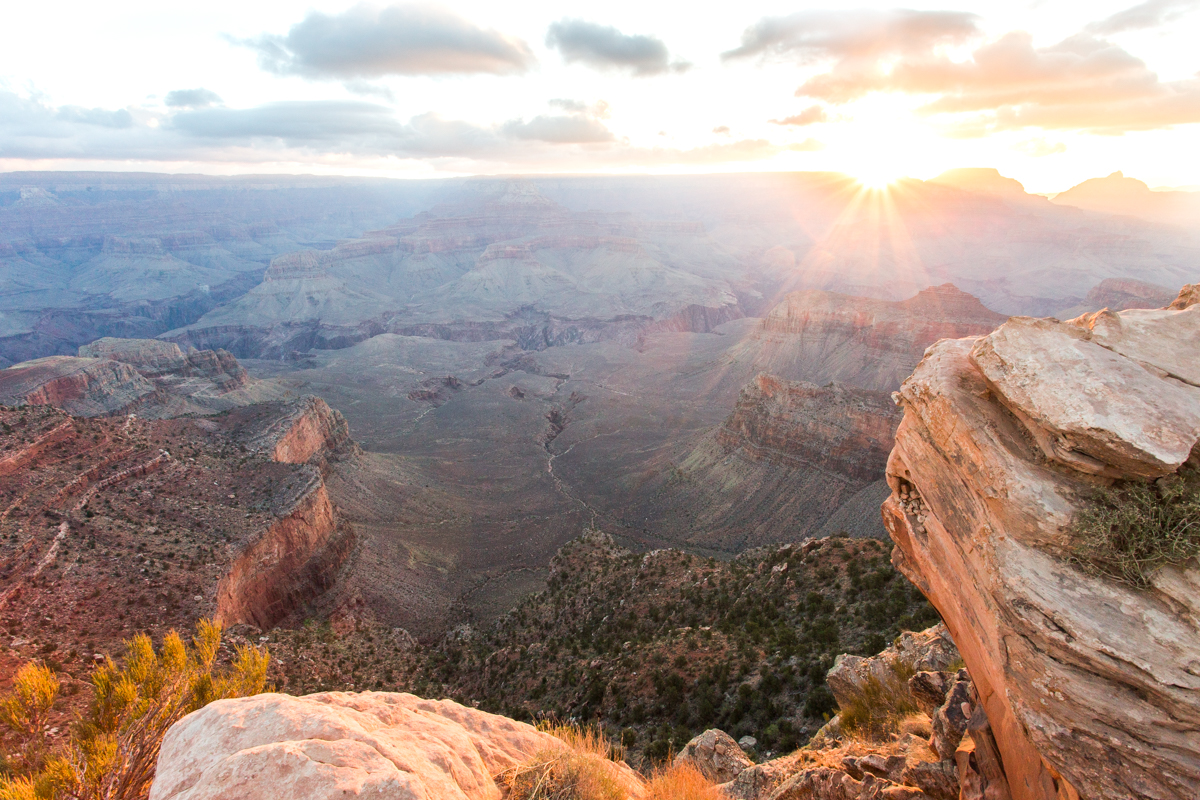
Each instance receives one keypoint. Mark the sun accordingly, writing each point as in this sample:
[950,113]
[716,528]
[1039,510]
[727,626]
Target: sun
[876,178]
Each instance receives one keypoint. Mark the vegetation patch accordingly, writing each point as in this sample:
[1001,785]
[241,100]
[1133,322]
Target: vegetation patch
[877,709]
[581,770]
[112,750]
[1130,530]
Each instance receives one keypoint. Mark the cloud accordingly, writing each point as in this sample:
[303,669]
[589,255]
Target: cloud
[606,48]
[808,116]
[405,39]
[574,129]
[101,117]
[1039,147]
[191,98]
[1082,83]
[1152,14]
[861,34]
[294,122]
[721,129]
[597,110]
[807,146]
[329,132]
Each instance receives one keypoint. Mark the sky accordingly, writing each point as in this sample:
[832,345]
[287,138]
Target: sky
[1049,92]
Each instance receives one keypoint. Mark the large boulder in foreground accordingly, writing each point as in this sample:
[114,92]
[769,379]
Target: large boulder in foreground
[1091,686]
[341,745]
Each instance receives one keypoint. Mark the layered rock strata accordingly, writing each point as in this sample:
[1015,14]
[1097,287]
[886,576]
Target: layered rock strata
[793,460]
[294,560]
[1090,685]
[873,344]
[144,376]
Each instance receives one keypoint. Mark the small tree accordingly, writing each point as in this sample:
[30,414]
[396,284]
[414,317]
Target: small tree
[113,750]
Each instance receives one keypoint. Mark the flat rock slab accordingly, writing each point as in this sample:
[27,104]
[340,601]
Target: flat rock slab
[1087,406]
[341,745]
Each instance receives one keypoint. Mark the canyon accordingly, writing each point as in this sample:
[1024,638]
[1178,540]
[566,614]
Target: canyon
[476,432]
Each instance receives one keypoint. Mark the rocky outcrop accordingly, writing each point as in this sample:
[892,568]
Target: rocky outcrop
[923,651]
[1119,294]
[86,387]
[792,460]
[341,745]
[716,755]
[145,376]
[873,344]
[295,560]
[158,359]
[834,428]
[295,432]
[1090,685]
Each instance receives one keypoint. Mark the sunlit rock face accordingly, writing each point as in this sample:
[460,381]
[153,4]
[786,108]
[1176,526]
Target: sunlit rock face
[1090,685]
[346,745]
[870,343]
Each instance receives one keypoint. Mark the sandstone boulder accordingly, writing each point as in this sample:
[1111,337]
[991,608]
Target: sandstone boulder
[716,755]
[1089,686]
[1090,407]
[927,650]
[341,745]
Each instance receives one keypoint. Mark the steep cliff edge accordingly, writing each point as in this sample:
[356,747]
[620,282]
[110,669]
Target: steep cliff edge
[1090,685]
[296,559]
[792,460]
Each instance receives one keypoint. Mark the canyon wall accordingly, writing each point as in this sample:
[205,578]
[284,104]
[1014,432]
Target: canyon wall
[873,344]
[833,428]
[149,377]
[295,560]
[1091,685]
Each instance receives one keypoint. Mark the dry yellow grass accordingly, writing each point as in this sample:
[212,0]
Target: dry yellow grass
[582,770]
[683,782]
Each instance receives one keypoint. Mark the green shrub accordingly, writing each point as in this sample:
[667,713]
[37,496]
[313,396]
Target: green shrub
[1128,531]
[874,712]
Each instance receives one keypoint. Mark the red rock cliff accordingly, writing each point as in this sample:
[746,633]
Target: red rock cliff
[295,560]
[1092,687]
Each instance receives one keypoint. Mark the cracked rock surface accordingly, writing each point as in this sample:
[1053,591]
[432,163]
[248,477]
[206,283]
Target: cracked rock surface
[1091,687]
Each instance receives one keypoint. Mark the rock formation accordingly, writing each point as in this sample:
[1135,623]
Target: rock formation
[873,344]
[792,460]
[1089,684]
[148,377]
[343,745]
[942,748]
[1119,294]
[833,428]
[294,560]
[86,387]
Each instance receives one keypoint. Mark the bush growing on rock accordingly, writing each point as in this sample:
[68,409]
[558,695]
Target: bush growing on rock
[1128,531]
[874,712]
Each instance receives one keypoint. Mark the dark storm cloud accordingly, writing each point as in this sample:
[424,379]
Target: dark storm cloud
[1151,14]
[406,39]
[191,98]
[606,48]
